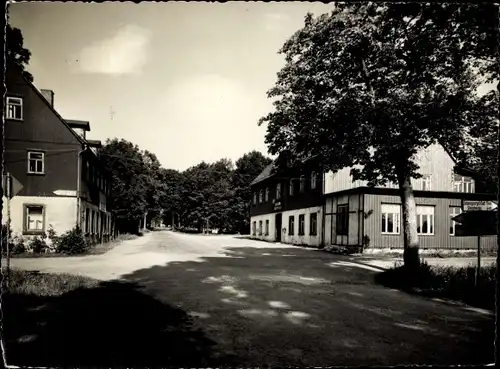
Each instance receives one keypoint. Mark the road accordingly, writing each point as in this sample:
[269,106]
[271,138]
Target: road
[266,304]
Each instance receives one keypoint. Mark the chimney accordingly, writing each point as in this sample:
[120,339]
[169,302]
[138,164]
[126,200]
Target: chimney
[49,96]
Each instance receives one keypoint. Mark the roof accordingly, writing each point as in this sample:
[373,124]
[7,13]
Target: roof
[78,124]
[94,143]
[266,173]
[30,84]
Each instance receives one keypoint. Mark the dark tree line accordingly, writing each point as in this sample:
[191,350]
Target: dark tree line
[216,195]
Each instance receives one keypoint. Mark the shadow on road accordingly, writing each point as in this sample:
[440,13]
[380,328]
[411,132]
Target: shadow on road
[114,324]
[262,306]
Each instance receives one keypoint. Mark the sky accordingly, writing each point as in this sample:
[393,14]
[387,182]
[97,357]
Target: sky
[186,81]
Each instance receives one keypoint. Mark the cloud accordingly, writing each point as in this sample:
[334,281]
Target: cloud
[124,53]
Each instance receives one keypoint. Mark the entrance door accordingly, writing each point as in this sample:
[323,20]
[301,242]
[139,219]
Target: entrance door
[278,227]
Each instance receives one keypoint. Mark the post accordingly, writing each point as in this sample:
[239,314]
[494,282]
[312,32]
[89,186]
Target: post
[478,270]
[8,191]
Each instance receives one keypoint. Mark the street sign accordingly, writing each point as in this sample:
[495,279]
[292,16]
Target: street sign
[469,205]
[11,186]
[476,223]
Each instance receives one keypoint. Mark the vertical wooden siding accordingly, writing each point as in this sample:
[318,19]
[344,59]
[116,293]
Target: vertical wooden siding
[441,238]
[355,214]
[433,160]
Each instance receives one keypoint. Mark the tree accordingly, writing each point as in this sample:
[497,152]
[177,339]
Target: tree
[248,167]
[16,53]
[369,85]
[135,184]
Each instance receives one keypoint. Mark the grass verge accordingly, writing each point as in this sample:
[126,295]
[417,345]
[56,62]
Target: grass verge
[42,284]
[453,283]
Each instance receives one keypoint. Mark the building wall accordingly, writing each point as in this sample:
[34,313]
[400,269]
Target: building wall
[272,227]
[60,212]
[306,239]
[365,218]
[355,231]
[442,221]
[40,129]
[433,160]
[295,239]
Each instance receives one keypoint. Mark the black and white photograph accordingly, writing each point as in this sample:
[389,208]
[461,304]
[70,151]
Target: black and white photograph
[249,184]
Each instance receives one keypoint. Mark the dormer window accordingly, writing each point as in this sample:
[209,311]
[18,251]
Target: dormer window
[14,108]
[463,184]
[302,185]
[313,180]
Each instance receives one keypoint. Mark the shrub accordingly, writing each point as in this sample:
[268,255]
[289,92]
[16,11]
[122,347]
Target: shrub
[38,244]
[18,246]
[72,242]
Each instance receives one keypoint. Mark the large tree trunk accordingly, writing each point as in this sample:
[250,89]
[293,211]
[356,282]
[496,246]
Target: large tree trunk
[410,255]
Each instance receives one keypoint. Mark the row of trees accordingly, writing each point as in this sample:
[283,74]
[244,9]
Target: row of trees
[214,194]
[370,84]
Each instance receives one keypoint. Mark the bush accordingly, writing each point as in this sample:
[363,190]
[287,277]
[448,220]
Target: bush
[18,246]
[72,242]
[38,244]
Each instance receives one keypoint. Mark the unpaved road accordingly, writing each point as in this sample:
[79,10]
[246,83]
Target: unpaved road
[258,303]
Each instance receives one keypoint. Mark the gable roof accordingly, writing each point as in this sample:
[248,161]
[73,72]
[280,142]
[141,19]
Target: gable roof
[266,173]
[32,86]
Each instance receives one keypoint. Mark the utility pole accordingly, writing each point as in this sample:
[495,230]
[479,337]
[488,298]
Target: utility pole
[8,190]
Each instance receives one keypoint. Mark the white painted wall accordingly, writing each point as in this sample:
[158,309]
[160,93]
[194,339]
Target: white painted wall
[306,239]
[60,212]
[272,231]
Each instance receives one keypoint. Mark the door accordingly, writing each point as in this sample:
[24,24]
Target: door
[278,227]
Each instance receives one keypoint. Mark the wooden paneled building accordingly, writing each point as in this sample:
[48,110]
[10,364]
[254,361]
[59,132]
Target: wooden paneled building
[355,215]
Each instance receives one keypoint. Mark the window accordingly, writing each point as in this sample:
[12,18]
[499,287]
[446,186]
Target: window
[35,162]
[255,198]
[260,227]
[313,224]
[291,187]
[34,219]
[343,219]
[254,228]
[463,184]
[302,184]
[14,108]
[87,220]
[454,211]
[313,180]
[425,220]
[260,196]
[302,224]
[267,194]
[291,225]
[426,182]
[391,217]
[267,227]
[278,191]
[92,224]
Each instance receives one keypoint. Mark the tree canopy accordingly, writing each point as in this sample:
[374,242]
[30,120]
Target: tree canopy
[369,85]
[16,53]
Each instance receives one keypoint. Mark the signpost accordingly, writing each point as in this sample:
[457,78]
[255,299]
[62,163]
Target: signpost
[478,219]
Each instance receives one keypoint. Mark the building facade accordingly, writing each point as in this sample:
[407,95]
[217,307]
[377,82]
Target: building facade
[56,177]
[354,215]
[287,207]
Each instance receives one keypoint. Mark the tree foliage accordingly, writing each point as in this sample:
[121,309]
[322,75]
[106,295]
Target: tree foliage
[16,53]
[369,85]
